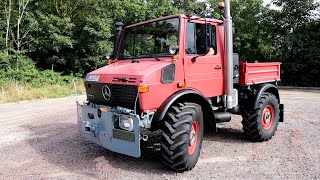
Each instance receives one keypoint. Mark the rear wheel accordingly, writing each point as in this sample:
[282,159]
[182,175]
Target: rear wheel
[260,124]
[182,135]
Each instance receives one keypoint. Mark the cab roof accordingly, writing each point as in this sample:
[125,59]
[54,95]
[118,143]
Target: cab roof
[177,16]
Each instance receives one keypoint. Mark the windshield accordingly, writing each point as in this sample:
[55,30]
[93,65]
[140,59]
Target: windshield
[150,40]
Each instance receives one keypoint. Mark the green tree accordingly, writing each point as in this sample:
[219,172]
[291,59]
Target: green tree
[2,28]
[159,8]
[72,36]
[191,7]
[251,38]
[53,41]
[293,26]
[70,42]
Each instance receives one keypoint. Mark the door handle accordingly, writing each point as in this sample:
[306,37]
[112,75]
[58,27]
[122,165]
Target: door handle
[194,59]
[218,67]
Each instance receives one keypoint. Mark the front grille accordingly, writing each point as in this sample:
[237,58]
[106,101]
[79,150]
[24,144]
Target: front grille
[121,95]
[125,80]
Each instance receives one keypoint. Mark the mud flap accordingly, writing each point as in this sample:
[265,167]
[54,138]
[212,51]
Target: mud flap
[100,128]
[281,113]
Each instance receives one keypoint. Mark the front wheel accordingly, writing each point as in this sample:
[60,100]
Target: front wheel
[182,135]
[260,123]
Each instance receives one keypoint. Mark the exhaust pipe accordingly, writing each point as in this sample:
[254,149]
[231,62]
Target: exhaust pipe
[229,55]
[118,30]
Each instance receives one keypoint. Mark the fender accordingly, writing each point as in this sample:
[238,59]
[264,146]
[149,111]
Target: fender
[188,94]
[271,89]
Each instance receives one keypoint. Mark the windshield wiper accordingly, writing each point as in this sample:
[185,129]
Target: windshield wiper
[157,58]
[150,56]
[136,58]
[135,61]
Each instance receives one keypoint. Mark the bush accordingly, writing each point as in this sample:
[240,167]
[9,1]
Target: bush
[35,78]
[20,80]
[17,85]
[15,60]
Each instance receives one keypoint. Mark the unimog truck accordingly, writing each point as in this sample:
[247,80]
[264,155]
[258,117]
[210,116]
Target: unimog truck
[161,78]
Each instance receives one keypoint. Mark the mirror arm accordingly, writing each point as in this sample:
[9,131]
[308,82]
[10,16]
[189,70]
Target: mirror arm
[177,51]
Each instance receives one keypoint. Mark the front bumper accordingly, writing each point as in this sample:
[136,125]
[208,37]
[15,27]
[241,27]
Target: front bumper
[99,124]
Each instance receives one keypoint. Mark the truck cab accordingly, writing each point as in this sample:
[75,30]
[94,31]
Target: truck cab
[162,78]
[144,59]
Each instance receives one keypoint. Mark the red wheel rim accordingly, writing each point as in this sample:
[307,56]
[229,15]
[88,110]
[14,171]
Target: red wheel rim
[267,117]
[193,137]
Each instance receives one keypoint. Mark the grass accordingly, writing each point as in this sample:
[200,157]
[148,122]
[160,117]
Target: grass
[15,91]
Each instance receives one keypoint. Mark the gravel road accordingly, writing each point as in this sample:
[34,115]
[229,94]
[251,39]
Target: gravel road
[39,140]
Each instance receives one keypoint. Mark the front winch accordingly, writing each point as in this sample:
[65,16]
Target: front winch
[91,127]
[107,127]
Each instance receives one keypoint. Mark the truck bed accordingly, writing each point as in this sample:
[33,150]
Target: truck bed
[257,73]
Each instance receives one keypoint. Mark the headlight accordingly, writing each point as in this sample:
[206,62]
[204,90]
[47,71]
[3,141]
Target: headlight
[126,123]
[94,78]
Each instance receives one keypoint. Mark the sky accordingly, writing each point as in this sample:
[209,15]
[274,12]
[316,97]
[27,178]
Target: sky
[268,1]
[265,2]
[316,12]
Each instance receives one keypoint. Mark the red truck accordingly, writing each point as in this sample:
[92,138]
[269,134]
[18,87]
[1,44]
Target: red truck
[161,78]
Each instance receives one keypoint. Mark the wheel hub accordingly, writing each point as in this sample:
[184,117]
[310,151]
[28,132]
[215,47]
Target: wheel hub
[267,117]
[192,137]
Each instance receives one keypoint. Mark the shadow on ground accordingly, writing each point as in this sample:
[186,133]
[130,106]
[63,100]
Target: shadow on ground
[227,135]
[60,144]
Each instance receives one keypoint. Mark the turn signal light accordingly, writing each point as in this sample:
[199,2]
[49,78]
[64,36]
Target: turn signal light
[175,57]
[143,89]
[221,5]
[104,109]
[181,85]
[108,61]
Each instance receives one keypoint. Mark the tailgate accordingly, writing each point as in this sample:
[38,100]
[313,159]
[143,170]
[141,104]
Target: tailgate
[256,73]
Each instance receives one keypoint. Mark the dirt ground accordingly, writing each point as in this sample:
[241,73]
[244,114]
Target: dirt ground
[39,140]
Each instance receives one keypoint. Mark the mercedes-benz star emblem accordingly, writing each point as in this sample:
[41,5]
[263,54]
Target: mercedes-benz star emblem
[106,92]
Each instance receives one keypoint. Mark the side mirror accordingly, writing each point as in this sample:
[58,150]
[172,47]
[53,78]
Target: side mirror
[173,49]
[108,56]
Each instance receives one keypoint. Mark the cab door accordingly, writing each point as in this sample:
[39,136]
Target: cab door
[203,72]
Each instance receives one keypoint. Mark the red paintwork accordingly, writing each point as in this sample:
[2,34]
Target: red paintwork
[130,70]
[253,73]
[193,147]
[201,76]
[147,73]
[267,125]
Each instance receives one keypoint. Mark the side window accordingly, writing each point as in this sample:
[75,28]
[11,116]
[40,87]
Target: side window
[200,38]
[214,39]
[190,39]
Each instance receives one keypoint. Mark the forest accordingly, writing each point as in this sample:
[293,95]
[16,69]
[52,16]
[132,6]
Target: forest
[52,41]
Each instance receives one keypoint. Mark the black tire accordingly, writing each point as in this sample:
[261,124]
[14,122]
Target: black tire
[261,123]
[178,123]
